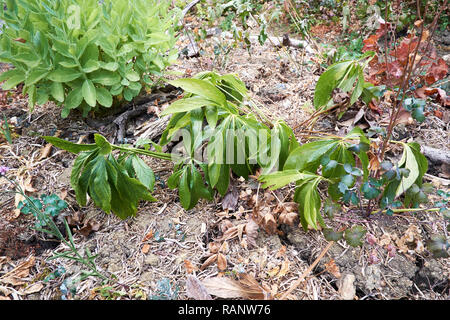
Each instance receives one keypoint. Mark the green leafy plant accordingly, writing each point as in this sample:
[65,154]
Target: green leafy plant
[45,212]
[348,76]
[51,205]
[333,162]
[215,120]
[85,55]
[114,184]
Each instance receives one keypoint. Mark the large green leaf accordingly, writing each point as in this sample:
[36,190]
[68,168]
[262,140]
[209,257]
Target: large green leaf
[202,88]
[104,98]
[186,105]
[143,172]
[408,161]
[309,154]
[64,75]
[280,179]
[328,82]
[69,146]
[89,93]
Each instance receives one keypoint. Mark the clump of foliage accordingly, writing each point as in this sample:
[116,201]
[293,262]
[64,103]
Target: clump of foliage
[213,119]
[85,55]
[51,205]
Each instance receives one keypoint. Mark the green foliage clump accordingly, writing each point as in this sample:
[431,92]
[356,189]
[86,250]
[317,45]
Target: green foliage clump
[85,54]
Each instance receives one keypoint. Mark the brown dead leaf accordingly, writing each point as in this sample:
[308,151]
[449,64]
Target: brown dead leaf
[281,252]
[34,288]
[251,287]
[195,289]
[89,227]
[213,247]
[45,151]
[404,117]
[269,223]
[224,287]
[209,262]
[221,262]
[273,272]
[224,248]
[148,236]
[145,248]
[15,276]
[332,268]
[251,230]
[230,200]
[284,268]
[190,268]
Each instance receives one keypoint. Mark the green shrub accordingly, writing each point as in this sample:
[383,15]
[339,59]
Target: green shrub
[84,54]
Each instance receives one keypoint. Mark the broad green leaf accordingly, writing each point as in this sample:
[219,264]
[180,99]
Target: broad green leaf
[202,88]
[328,82]
[57,91]
[64,75]
[104,98]
[105,77]
[13,81]
[91,65]
[354,236]
[110,66]
[132,75]
[186,105]
[69,146]
[184,190]
[99,188]
[35,76]
[331,235]
[280,179]
[74,98]
[103,145]
[89,93]
[143,172]
[309,153]
[409,161]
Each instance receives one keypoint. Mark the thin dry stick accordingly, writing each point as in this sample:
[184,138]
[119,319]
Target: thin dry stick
[307,271]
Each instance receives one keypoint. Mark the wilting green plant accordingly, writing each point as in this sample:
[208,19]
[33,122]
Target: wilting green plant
[333,162]
[85,54]
[213,118]
[114,184]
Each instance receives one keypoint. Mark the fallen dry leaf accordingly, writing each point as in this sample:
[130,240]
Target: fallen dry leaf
[208,262]
[213,247]
[221,262]
[281,252]
[190,268]
[230,200]
[273,272]
[195,289]
[148,236]
[89,227]
[332,268]
[15,276]
[251,230]
[284,268]
[34,288]
[269,223]
[45,151]
[145,248]
[223,287]
[251,287]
